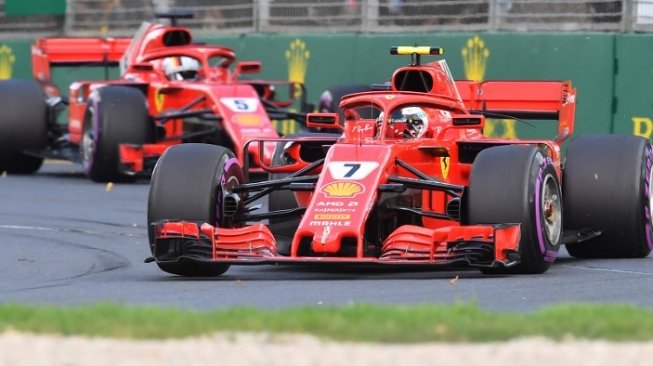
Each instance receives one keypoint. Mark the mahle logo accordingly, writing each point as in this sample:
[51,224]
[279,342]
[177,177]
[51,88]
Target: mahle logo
[7,60]
[475,57]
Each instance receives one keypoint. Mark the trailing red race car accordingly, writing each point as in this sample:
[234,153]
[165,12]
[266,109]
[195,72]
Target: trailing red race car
[170,91]
[411,180]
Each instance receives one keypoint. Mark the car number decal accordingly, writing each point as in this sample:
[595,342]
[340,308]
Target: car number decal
[354,170]
[241,104]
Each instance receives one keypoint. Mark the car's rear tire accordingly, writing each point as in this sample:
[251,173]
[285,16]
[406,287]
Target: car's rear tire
[518,184]
[607,187]
[114,115]
[23,125]
[188,183]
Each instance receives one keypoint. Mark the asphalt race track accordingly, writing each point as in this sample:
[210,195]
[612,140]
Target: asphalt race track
[68,241]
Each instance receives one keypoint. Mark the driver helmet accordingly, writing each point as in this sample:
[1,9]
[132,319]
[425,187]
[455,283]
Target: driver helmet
[407,122]
[416,122]
[181,68]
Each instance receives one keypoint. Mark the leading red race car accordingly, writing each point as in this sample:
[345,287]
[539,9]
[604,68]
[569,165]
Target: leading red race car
[411,180]
[170,91]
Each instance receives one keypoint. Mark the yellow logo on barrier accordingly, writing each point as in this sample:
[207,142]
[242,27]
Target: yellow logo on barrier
[342,189]
[7,60]
[505,128]
[642,126]
[475,56]
[297,56]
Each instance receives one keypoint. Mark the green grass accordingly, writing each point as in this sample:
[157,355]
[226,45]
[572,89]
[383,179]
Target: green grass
[360,322]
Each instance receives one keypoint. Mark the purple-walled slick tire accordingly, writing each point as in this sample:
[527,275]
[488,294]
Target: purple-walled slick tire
[189,183]
[518,184]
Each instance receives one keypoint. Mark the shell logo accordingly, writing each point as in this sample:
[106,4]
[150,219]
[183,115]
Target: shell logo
[248,119]
[342,189]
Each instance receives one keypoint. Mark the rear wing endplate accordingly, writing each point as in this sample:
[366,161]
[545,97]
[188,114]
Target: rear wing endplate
[549,100]
[48,52]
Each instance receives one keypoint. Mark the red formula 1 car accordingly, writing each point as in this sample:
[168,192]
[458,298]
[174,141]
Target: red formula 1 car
[170,91]
[411,180]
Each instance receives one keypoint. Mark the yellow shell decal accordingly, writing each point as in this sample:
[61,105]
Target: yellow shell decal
[444,165]
[159,98]
[342,189]
[248,119]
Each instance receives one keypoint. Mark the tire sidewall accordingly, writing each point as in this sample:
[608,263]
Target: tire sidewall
[91,122]
[546,250]
[645,196]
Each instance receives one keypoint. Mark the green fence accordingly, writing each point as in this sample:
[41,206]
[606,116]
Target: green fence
[611,72]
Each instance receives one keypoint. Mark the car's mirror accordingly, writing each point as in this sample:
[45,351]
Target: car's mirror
[323,120]
[248,67]
[143,67]
[468,121]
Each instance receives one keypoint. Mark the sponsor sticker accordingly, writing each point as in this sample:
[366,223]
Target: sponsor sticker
[241,104]
[332,217]
[354,170]
[325,234]
[343,189]
[247,119]
[329,223]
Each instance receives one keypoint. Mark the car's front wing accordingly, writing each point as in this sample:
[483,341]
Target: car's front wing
[474,245]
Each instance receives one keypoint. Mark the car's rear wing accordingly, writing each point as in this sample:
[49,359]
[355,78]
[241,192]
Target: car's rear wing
[549,100]
[48,52]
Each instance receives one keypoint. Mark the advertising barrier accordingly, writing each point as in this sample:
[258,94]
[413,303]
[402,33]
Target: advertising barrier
[612,72]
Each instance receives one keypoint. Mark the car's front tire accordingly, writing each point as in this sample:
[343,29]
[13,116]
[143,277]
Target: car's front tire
[189,183]
[518,184]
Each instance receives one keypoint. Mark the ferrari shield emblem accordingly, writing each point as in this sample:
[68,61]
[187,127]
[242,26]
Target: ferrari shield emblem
[158,100]
[444,165]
